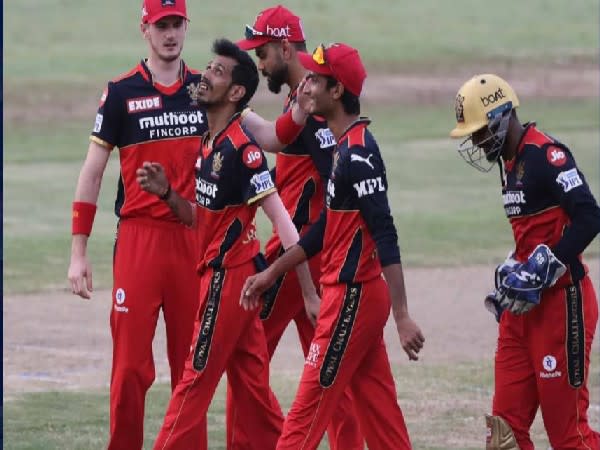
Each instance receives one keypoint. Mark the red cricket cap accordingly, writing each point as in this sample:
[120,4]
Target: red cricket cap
[154,10]
[340,61]
[273,24]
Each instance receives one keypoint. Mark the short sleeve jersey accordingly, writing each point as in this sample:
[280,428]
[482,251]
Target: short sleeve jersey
[543,192]
[301,171]
[231,176]
[151,122]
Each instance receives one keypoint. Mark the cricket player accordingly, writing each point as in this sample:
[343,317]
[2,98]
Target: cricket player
[359,244]
[300,174]
[544,299]
[232,179]
[149,113]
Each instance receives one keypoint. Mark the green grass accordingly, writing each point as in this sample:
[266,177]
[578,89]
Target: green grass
[446,212]
[450,399]
[73,40]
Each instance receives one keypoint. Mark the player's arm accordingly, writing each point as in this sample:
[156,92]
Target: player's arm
[105,133]
[569,186]
[374,207]
[279,217]
[84,210]
[152,178]
[309,245]
[274,136]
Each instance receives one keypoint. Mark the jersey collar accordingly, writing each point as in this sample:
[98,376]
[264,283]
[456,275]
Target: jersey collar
[360,122]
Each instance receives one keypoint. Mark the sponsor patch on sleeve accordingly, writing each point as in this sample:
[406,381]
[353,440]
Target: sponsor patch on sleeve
[98,123]
[103,96]
[262,182]
[569,179]
[252,157]
[556,156]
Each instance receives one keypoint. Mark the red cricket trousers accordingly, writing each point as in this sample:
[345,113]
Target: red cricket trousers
[348,352]
[154,268]
[543,360]
[344,429]
[226,339]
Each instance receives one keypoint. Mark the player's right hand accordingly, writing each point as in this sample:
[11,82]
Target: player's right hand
[80,277]
[253,288]
[411,337]
[152,178]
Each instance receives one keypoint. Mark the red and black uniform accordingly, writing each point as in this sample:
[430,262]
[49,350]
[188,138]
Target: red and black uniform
[357,236]
[155,254]
[543,356]
[301,171]
[231,177]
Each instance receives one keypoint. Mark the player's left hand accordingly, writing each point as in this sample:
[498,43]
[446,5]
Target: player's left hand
[312,304]
[253,288]
[411,337]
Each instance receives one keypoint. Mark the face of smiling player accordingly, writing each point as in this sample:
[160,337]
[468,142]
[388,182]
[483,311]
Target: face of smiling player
[322,97]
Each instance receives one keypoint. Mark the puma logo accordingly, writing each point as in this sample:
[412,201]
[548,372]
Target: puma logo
[366,160]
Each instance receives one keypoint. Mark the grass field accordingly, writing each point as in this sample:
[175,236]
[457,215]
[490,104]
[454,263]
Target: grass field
[447,214]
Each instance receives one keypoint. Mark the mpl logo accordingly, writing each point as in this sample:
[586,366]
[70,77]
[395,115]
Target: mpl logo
[325,137]
[262,182]
[143,104]
[492,98]
[369,186]
[569,179]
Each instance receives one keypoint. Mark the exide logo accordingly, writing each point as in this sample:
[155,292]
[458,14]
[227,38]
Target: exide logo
[143,104]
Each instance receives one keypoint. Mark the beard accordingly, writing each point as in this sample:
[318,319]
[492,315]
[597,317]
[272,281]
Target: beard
[277,78]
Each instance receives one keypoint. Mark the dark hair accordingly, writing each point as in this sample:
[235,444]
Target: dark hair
[244,72]
[299,46]
[350,102]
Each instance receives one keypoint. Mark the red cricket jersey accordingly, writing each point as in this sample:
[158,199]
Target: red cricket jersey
[548,201]
[357,233]
[151,122]
[231,176]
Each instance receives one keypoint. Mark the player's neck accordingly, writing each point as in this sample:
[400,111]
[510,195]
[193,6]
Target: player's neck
[164,72]
[296,73]
[218,118]
[339,122]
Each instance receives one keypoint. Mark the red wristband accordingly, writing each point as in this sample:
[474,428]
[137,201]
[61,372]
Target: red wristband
[286,129]
[83,218]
